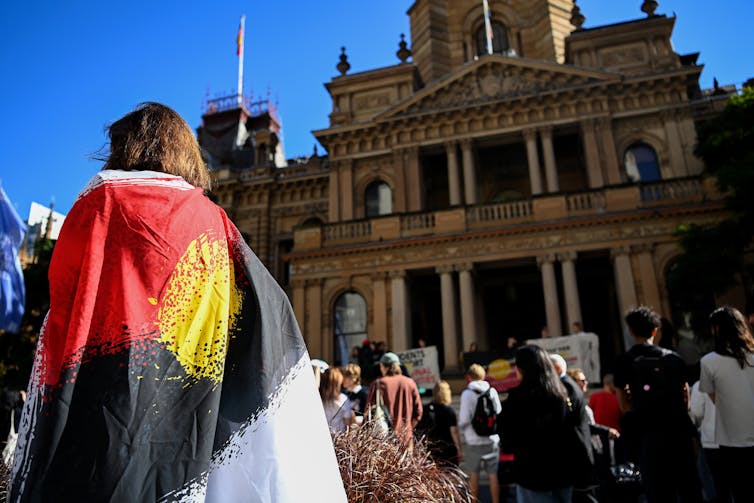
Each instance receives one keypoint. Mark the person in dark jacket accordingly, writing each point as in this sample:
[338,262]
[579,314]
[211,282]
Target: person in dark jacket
[541,426]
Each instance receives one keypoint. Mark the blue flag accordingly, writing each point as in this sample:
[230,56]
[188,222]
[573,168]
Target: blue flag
[12,290]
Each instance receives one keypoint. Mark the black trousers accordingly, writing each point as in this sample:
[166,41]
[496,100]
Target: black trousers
[668,468]
[736,468]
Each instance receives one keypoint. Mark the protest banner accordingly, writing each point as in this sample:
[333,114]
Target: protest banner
[423,366]
[582,351]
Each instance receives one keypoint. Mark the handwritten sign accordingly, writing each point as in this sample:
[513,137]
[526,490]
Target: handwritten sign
[423,366]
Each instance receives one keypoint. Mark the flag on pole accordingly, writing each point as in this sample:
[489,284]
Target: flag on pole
[239,39]
[488,26]
[170,367]
[12,290]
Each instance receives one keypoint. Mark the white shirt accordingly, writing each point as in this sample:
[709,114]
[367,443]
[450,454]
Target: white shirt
[733,387]
[466,414]
[702,412]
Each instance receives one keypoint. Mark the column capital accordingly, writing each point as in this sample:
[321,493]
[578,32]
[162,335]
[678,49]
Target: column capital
[450,146]
[588,124]
[466,143]
[444,268]
[604,121]
[643,248]
[530,134]
[547,258]
[400,273]
[379,275]
[298,283]
[567,256]
[620,251]
[318,282]
[464,267]
[545,131]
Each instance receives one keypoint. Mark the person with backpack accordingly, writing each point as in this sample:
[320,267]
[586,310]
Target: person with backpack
[477,420]
[656,427]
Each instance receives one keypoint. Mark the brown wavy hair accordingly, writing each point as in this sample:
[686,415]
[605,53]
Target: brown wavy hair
[732,334]
[156,138]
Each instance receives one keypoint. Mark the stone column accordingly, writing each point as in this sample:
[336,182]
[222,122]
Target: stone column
[319,347]
[449,319]
[624,283]
[609,154]
[299,306]
[551,170]
[346,190]
[550,289]
[532,155]
[469,171]
[592,154]
[570,288]
[400,310]
[401,184]
[454,182]
[413,180]
[334,196]
[468,310]
[648,277]
[379,310]
[675,146]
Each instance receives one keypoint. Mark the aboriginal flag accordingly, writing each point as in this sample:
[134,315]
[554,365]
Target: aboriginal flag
[170,366]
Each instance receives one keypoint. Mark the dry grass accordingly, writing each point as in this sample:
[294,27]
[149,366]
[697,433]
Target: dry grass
[4,481]
[378,468]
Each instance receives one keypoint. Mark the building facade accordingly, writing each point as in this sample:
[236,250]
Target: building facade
[481,190]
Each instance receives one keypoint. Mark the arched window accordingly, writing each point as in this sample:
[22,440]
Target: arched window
[641,164]
[349,325]
[499,39]
[379,199]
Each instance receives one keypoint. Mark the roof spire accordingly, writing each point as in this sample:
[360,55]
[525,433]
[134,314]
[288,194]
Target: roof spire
[577,18]
[649,6]
[343,66]
[403,52]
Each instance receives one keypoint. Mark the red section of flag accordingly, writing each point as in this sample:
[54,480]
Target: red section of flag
[104,281]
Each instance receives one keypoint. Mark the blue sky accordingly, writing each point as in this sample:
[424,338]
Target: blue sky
[69,68]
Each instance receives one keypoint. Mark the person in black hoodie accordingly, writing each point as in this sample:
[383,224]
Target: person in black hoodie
[542,426]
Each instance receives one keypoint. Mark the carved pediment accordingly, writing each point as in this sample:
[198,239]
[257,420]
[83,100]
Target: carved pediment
[495,78]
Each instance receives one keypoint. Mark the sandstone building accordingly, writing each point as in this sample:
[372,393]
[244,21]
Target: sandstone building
[471,197]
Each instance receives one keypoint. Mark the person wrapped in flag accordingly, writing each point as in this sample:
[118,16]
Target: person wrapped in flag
[170,366]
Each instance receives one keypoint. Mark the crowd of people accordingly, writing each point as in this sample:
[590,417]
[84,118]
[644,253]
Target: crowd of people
[649,433]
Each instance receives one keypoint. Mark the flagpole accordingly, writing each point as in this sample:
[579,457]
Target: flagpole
[487,26]
[241,34]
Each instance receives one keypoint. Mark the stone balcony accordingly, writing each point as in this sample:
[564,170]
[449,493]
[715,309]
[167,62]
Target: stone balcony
[539,209]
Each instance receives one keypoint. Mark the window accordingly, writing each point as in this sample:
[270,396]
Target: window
[499,39]
[641,163]
[379,199]
[349,325]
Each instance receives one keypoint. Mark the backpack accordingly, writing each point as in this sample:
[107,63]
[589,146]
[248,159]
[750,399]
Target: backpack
[427,423]
[655,386]
[484,420]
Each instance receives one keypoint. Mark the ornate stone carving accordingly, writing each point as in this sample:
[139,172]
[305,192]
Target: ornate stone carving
[369,101]
[635,54]
[494,81]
